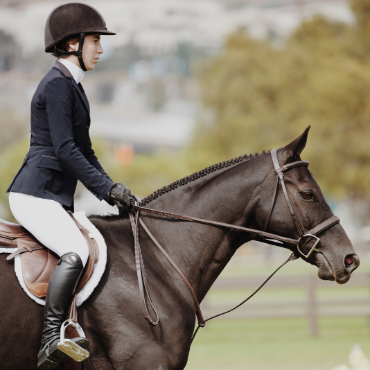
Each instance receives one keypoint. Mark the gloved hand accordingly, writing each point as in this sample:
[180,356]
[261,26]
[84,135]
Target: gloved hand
[122,195]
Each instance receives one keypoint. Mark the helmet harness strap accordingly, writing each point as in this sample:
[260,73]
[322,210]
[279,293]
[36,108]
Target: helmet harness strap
[61,53]
[80,47]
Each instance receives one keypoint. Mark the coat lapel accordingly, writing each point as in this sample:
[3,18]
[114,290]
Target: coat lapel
[84,94]
[80,92]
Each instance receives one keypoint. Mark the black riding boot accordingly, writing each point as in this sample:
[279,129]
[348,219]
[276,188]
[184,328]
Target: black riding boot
[61,287]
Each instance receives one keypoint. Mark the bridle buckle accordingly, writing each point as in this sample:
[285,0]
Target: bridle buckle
[312,249]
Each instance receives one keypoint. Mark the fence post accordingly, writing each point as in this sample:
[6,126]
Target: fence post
[311,306]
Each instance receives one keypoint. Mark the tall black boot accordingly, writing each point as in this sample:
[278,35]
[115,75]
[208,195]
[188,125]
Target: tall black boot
[61,287]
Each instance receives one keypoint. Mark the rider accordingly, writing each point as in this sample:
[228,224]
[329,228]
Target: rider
[61,153]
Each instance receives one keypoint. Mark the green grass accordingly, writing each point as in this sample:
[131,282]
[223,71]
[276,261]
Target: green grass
[273,344]
[279,344]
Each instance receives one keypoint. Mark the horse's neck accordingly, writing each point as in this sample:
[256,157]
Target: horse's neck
[230,196]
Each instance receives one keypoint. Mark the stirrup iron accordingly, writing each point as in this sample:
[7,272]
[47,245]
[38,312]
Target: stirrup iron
[69,347]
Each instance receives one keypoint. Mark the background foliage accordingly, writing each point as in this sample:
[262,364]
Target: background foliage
[258,96]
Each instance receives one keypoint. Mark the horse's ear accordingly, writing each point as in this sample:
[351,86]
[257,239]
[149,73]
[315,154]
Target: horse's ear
[295,148]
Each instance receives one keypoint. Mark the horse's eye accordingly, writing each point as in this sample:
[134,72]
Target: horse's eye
[307,194]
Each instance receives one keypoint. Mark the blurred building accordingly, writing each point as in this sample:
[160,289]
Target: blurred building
[143,94]
[145,74]
[158,26]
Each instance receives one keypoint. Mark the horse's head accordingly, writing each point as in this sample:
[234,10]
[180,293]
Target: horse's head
[335,257]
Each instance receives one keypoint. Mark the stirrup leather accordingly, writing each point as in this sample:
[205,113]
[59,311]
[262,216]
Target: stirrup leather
[69,347]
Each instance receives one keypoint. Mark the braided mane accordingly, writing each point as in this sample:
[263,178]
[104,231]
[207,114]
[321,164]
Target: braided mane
[198,175]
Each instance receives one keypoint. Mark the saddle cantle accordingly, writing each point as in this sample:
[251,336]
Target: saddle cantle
[39,263]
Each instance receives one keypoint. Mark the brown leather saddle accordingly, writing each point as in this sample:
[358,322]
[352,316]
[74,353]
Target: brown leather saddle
[38,262]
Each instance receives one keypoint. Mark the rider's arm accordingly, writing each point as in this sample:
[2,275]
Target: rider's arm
[58,95]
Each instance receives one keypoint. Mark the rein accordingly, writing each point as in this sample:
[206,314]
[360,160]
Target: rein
[263,236]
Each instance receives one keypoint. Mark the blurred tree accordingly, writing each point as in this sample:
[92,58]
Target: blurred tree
[10,161]
[359,45]
[258,97]
[146,174]
[12,126]
[10,52]
[361,9]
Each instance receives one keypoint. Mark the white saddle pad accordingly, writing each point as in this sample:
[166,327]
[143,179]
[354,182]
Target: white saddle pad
[99,267]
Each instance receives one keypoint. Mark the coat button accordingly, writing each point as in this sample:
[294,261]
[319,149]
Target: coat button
[87,127]
[79,149]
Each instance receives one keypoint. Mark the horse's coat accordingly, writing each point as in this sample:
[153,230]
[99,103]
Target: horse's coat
[113,319]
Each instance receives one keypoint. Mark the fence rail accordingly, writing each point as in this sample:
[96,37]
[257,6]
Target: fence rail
[310,306]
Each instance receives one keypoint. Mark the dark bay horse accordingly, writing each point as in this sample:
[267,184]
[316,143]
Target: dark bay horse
[113,319]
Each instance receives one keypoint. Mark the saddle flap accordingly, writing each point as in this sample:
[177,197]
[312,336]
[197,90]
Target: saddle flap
[38,265]
[37,268]
[38,262]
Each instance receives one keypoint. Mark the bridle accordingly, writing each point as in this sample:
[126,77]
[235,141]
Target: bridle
[304,236]
[261,235]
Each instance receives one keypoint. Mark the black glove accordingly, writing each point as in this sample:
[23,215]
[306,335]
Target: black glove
[122,195]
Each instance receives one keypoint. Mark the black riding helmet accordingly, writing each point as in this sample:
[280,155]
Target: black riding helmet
[72,20]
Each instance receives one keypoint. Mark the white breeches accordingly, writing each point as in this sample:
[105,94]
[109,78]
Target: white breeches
[50,223]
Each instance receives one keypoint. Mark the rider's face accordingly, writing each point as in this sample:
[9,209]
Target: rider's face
[91,51]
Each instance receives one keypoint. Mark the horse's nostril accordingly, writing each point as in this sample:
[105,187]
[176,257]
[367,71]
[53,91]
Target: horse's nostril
[348,261]
[352,261]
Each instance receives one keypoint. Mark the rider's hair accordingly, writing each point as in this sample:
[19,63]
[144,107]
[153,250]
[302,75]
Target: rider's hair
[64,45]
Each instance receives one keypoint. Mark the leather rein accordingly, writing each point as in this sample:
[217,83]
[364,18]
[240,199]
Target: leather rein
[260,235]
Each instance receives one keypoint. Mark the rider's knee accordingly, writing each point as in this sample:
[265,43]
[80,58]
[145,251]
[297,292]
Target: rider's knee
[83,251]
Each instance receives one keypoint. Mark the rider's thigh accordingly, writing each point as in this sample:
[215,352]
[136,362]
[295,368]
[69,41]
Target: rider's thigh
[50,223]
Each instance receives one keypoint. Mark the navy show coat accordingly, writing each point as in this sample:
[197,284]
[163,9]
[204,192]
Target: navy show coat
[60,151]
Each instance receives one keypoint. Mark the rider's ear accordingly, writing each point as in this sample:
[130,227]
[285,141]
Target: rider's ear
[295,148]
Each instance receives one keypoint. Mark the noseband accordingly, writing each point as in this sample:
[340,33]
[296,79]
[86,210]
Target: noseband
[304,236]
